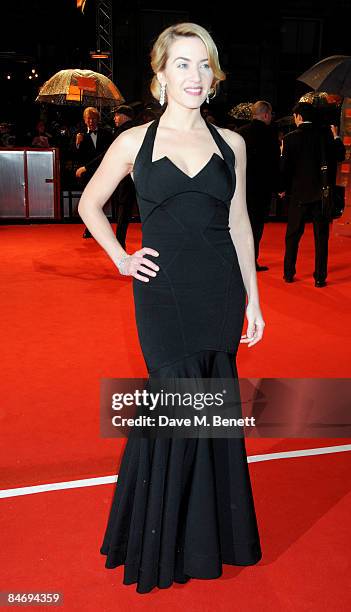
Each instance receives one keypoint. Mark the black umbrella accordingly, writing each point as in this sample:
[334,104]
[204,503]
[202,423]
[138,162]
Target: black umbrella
[332,75]
[285,121]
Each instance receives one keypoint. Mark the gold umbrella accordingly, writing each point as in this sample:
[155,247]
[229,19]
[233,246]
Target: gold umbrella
[85,87]
[241,111]
[317,98]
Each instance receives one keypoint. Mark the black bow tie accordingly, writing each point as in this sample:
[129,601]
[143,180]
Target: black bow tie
[93,132]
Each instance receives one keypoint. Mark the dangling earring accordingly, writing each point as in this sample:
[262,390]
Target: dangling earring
[162,94]
[213,91]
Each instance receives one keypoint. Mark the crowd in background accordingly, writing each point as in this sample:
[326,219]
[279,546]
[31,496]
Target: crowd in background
[283,163]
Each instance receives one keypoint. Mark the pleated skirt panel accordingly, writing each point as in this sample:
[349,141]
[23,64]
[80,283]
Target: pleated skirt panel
[182,507]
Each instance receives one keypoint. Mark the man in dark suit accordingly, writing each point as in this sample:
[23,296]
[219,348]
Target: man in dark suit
[124,196]
[89,144]
[302,182]
[262,172]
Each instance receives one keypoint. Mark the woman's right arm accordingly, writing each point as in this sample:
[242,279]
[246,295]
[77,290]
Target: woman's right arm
[116,164]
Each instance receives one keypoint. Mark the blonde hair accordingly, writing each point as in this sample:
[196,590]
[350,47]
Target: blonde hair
[91,110]
[159,53]
[261,106]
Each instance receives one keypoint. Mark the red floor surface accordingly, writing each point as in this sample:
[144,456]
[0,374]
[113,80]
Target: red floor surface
[67,320]
[50,542]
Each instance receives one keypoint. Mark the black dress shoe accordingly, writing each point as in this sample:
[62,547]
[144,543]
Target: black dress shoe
[261,268]
[87,234]
[288,279]
[320,283]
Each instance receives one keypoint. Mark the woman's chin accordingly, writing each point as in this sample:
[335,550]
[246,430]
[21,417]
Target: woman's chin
[192,104]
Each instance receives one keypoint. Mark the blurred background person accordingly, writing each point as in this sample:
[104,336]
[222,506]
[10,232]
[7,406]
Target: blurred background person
[124,197]
[88,145]
[41,137]
[302,182]
[7,135]
[262,173]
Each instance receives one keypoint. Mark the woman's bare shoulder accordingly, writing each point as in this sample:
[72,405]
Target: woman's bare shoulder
[131,140]
[234,140]
[134,135]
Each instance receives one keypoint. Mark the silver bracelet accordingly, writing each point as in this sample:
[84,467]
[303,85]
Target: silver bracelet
[120,263]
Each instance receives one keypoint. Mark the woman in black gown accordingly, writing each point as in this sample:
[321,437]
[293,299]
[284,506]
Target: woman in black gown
[183,507]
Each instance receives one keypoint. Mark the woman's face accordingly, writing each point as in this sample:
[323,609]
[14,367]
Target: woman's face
[187,74]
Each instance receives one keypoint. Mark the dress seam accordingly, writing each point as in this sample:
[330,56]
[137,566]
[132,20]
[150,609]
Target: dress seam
[230,279]
[221,350]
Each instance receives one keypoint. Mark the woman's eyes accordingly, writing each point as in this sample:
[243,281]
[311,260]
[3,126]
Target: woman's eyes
[207,66]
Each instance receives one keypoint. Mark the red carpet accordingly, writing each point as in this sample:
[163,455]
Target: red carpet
[67,321]
[50,542]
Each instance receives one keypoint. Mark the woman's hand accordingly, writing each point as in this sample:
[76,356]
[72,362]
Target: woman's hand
[134,264]
[80,171]
[255,325]
[79,139]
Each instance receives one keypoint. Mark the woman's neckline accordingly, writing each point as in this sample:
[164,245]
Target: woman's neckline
[167,158]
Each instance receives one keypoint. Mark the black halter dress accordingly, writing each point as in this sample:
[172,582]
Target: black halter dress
[182,507]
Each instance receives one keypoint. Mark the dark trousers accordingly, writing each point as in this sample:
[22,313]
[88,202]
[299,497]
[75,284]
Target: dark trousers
[124,199]
[294,231]
[258,208]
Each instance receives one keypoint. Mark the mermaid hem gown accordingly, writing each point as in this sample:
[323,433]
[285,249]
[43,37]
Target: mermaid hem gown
[183,507]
